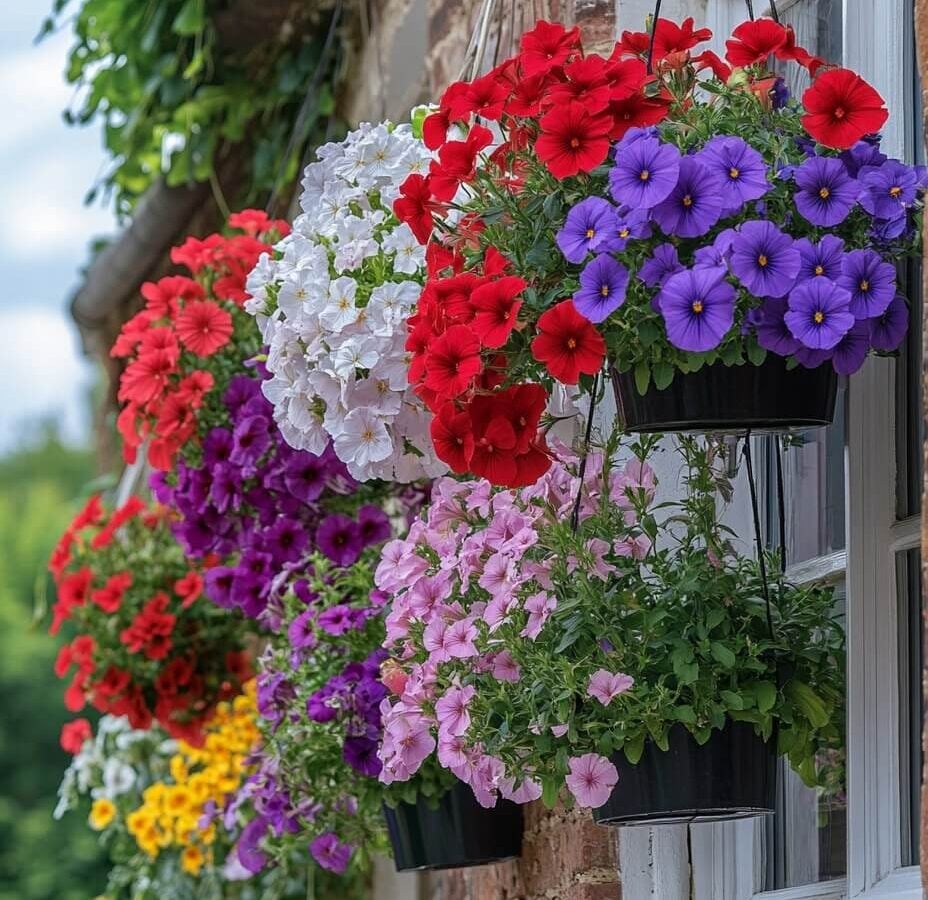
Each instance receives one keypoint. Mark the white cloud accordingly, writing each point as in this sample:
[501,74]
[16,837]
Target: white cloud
[42,374]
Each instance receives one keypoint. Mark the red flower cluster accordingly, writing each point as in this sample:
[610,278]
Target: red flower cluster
[186,320]
[144,648]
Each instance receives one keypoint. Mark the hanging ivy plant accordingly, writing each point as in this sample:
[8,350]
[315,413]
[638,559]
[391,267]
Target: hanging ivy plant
[173,87]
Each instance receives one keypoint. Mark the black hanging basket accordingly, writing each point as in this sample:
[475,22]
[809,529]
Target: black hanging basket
[459,833]
[731,399]
[731,776]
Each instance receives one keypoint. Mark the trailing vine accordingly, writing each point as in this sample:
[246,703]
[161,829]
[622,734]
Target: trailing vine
[176,82]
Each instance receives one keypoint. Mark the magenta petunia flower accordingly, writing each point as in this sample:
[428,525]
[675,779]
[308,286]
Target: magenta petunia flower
[888,330]
[591,780]
[694,205]
[603,283]
[826,193]
[765,259]
[740,169]
[339,538]
[331,853]
[698,307]
[821,260]
[452,711]
[588,223]
[869,280]
[819,314]
[645,171]
[605,686]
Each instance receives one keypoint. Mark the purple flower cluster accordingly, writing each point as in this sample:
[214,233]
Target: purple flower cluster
[798,288]
[262,503]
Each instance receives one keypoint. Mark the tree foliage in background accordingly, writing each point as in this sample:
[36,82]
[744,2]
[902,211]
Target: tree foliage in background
[40,486]
[173,90]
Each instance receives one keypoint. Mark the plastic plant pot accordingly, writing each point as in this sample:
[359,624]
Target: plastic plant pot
[458,833]
[731,776]
[731,399]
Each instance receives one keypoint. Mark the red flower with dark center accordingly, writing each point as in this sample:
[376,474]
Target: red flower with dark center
[453,438]
[528,403]
[452,362]
[415,206]
[568,344]
[753,42]
[547,46]
[484,96]
[636,111]
[494,442]
[203,327]
[527,96]
[497,309]
[109,597]
[453,298]
[586,84]
[841,108]
[146,378]
[572,140]
[74,734]
[457,163]
[626,77]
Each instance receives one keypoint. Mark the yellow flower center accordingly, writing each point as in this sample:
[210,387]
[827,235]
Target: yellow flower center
[688,200]
[762,260]
[839,112]
[645,175]
[895,191]
[865,285]
[571,344]
[819,270]
[819,317]
[733,172]
[624,232]
[590,233]
[575,142]
[604,290]
[697,306]
[824,193]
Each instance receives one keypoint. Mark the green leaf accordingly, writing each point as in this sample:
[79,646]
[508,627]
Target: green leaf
[756,353]
[809,703]
[642,377]
[722,655]
[550,788]
[634,748]
[732,699]
[685,713]
[663,374]
[766,694]
[191,19]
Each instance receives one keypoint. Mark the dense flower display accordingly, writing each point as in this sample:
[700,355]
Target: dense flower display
[147,645]
[319,694]
[263,507]
[172,344]
[527,653]
[653,220]
[332,303]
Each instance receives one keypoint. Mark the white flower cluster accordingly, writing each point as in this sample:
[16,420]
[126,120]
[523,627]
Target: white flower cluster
[115,761]
[332,305]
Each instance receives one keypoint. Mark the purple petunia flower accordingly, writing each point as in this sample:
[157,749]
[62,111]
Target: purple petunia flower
[361,754]
[886,190]
[718,252]
[603,283]
[863,153]
[331,853]
[869,280]
[826,193]
[318,707]
[821,260]
[885,231]
[645,171]
[812,359]
[698,307]
[336,620]
[888,330]
[217,585]
[251,439]
[302,631]
[374,524]
[247,849]
[241,390]
[339,538]
[740,169]
[779,94]
[663,263]
[819,314]
[764,259]
[851,351]
[305,476]
[587,224]
[771,329]
[626,225]
[694,205]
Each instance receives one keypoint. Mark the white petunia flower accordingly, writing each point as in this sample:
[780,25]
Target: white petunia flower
[340,310]
[410,254]
[364,438]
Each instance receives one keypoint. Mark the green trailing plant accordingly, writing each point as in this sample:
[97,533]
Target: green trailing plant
[173,90]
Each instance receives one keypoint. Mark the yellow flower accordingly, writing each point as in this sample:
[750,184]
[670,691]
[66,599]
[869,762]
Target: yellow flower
[192,859]
[102,813]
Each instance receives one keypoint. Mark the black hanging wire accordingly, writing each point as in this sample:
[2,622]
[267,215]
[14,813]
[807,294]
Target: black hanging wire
[584,454]
[781,504]
[655,17]
[750,5]
[758,539]
[776,18]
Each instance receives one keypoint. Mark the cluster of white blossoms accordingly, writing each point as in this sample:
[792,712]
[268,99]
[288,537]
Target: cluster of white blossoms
[332,304]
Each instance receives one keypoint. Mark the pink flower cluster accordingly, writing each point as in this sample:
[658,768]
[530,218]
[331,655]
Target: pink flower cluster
[471,587]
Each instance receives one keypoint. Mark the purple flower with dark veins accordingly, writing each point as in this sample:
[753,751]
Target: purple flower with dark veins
[764,259]
[887,190]
[603,283]
[698,307]
[870,281]
[645,171]
[663,263]
[771,329]
[821,260]
[740,169]
[339,538]
[694,205]
[819,314]
[851,351]
[888,330]
[586,226]
[826,194]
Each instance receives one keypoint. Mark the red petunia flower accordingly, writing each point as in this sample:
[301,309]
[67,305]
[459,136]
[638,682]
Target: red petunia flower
[195,253]
[435,129]
[497,306]
[131,333]
[493,455]
[532,464]
[753,42]
[841,108]
[203,327]
[586,83]
[637,111]
[527,96]
[146,378]
[547,46]
[189,588]
[528,402]
[457,163]
[256,222]
[626,77]
[453,438]
[74,734]
[485,96]
[163,297]
[669,37]
[72,592]
[568,344]
[572,140]
[790,50]
[415,206]
[109,597]
[452,362]
[709,60]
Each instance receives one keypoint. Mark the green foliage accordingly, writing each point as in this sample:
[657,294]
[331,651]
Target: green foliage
[37,487]
[170,97]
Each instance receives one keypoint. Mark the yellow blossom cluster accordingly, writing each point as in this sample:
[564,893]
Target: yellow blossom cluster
[171,810]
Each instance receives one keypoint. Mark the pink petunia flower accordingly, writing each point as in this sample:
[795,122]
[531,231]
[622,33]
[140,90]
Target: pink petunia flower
[591,780]
[538,606]
[459,639]
[451,711]
[505,668]
[606,686]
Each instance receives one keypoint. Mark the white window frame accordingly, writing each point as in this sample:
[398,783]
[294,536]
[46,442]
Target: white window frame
[656,862]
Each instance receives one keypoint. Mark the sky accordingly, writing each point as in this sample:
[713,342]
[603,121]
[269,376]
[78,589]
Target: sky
[46,168]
